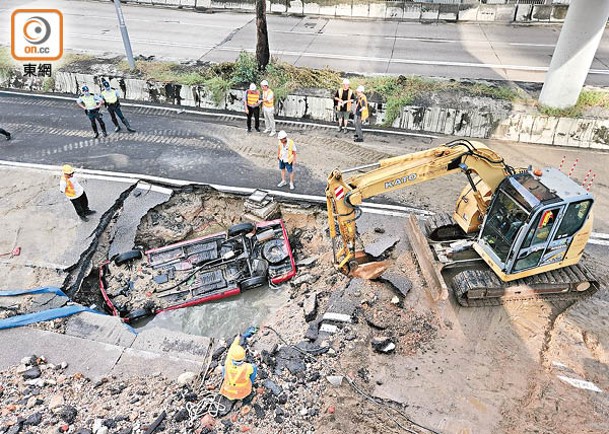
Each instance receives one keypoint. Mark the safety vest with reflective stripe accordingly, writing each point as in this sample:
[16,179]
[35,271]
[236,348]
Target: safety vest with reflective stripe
[290,150]
[349,97]
[253,96]
[109,96]
[268,99]
[89,101]
[362,102]
[70,191]
[237,383]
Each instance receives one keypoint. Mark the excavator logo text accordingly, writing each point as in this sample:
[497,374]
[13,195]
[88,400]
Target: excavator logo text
[399,181]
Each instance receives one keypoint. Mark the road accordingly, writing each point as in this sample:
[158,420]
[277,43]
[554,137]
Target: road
[463,50]
[218,150]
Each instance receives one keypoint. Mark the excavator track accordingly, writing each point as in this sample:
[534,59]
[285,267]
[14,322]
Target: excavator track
[481,287]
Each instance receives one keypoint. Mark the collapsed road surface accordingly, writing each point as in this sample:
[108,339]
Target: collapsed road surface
[335,355]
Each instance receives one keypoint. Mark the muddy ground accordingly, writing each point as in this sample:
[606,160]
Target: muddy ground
[521,367]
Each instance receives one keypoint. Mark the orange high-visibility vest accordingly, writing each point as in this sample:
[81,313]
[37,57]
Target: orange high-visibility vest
[237,384]
[253,96]
[349,97]
[70,192]
[290,150]
[271,99]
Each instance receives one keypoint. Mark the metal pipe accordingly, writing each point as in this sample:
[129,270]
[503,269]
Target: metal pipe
[365,166]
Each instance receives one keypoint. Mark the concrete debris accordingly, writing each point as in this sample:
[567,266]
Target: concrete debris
[307,262]
[187,378]
[304,278]
[328,328]
[337,317]
[335,380]
[398,280]
[310,307]
[382,344]
[380,246]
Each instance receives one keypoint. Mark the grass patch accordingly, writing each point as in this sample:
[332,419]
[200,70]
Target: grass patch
[587,100]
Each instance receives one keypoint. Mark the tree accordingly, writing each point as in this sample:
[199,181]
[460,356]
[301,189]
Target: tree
[263,53]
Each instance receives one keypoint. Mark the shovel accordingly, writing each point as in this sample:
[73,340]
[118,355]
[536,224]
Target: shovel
[15,252]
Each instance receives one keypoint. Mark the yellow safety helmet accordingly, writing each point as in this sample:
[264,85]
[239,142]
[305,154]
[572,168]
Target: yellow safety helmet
[237,354]
[67,169]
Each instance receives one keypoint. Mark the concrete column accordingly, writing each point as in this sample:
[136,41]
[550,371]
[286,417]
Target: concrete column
[577,44]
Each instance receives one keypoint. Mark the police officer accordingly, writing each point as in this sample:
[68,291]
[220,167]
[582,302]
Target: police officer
[110,96]
[91,104]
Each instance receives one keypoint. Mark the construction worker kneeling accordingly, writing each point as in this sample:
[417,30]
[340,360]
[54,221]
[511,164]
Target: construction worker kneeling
[238,374]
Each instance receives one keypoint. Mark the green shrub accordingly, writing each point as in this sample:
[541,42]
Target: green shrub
[218,88]
[245,69]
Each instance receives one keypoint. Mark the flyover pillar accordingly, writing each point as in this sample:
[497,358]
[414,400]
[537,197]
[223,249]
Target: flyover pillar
[577,44]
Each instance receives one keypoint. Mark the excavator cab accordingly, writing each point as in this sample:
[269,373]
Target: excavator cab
[537,221]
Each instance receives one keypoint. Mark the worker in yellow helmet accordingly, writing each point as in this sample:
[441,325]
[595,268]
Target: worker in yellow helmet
[75,192]
[238,374]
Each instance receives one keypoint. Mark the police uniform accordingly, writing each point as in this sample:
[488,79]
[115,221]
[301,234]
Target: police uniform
[91,103]
[111,100]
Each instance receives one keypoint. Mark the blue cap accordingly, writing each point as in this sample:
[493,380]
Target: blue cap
[105,83]
[85,88]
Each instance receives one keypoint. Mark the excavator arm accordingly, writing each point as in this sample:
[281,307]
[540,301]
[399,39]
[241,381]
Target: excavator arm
[343,196]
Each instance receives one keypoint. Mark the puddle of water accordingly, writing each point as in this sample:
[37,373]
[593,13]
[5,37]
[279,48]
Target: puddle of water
[224,318]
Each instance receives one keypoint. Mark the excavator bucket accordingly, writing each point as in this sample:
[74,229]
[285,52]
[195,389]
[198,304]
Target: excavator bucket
[431,271]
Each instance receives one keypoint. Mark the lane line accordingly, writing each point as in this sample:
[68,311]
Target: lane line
[131,177]
[228,115]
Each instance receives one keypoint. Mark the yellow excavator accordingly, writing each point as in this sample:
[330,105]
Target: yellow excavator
[515,234]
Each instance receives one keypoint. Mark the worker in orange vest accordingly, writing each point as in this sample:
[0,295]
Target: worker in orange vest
[238,374]
[268,108]
[75,192]
[252,107]
[360,111]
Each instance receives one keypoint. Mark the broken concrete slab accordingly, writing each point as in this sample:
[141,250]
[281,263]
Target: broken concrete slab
[398,280]
[143,198]
[381,245]
[306,262]
[100,328]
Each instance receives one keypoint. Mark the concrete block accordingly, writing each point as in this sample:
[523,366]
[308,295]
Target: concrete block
[360,10]
[279,8]
[543,130]
[293,106]
[377,10]
[329,10]
[581,133]
[430,12]
[468,12]
[559,13]
[187,3]
[505,13]
[234,100]
[486,13]
[526,128]
[412,11]
[174,3]
[343,10]
[541,12]
[523,13]
[509,128]
[295,7]
[174,343]
[100,328]
[448,12]
[449,121]
[563,127]
[203,4]
[311,8]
